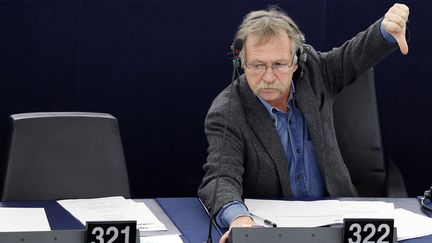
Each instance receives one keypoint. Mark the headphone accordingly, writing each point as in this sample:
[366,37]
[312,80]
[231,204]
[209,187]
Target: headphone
[427,196]
[300,56]
[273,11]
[236,48]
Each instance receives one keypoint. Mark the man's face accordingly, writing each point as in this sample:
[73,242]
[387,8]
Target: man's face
[270,84]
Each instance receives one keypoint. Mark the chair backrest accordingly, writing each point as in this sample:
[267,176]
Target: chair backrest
[58,155]
[359,138]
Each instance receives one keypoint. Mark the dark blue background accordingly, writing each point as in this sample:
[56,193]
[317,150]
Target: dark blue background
[156,65]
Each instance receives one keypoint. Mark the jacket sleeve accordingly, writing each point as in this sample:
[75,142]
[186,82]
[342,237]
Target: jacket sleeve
[343,65]
[225,155]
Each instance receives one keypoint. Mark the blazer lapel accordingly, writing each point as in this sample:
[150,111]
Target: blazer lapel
[262,125]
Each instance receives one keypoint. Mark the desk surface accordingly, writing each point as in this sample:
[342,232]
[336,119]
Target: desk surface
[187,214]
[192,220]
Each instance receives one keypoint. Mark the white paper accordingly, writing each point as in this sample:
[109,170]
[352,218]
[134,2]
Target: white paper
[113,209]
[326,212]
[23,219]
[411,225]
[367,209]
[296,213]
[161,239]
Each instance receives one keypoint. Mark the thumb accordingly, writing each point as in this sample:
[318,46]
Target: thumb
[401,40]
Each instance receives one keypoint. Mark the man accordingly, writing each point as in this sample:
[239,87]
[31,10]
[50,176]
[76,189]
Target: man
[272,133]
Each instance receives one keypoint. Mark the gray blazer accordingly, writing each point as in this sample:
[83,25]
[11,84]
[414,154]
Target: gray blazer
[251,162]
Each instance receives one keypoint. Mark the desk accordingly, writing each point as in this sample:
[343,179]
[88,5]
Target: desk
[192,220]
[187,214]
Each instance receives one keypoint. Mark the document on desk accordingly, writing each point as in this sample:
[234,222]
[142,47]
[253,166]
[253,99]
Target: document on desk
[411,225]
[327,212]
[317,213]
[161,239]
[113,209]
[23,219]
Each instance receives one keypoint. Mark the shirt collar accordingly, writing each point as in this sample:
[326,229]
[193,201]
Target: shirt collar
[270,108]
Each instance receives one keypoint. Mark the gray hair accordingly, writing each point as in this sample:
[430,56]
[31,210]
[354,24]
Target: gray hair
[267,24]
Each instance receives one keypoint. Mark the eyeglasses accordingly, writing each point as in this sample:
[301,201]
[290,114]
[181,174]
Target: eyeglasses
[260,68]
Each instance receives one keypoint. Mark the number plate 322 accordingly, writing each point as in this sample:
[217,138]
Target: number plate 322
[369,231]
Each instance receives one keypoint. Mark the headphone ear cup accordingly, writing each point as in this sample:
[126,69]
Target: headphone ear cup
[298,56]
[237,62]
[295,60]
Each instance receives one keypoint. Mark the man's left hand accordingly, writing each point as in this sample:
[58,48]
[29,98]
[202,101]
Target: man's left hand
[394,23]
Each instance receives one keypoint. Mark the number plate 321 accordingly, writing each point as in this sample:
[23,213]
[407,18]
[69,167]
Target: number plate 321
[369,231]
[111,232]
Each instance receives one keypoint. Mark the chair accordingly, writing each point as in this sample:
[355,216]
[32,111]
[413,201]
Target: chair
[359,138]
[59,155]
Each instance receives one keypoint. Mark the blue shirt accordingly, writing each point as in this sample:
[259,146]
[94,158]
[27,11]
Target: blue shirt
[235,209]
[304,176]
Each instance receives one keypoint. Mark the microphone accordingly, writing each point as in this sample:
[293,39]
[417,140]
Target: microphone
[427,196]
[236,48]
